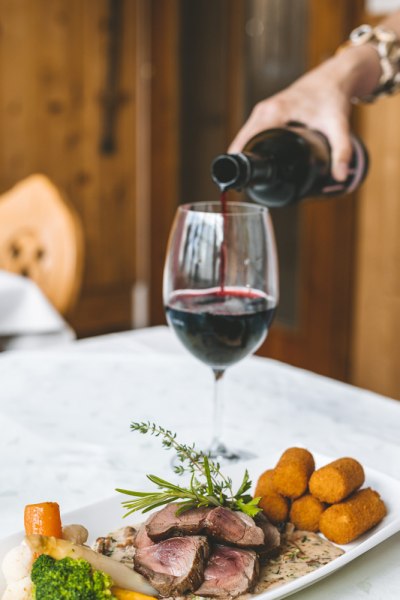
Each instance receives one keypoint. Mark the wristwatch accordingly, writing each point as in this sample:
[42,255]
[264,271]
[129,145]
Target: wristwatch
[387,45]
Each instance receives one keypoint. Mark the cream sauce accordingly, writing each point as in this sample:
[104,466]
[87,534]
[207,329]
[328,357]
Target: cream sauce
[302,552]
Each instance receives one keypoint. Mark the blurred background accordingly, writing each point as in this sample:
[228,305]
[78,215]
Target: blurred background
[124,103]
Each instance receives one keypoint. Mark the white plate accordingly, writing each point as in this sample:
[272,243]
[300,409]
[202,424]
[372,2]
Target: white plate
[103,517]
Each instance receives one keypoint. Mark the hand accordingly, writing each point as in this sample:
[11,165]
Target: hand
[321,100]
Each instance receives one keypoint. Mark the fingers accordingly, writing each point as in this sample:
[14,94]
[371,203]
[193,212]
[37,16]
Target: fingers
[278,110]
[243,136]
[339,138]
[265,115]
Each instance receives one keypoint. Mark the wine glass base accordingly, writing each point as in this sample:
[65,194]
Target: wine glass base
[224,455]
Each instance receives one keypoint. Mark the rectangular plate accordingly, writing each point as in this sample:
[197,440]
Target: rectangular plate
[102,517]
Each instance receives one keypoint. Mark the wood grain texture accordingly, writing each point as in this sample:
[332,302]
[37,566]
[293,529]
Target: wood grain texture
[164,141]
[376,340]
[376,300]
[53,65]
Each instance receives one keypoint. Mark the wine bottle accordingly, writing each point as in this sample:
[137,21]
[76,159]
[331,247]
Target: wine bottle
[281,166]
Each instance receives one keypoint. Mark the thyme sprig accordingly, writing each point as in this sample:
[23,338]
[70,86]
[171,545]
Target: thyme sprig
[208,486]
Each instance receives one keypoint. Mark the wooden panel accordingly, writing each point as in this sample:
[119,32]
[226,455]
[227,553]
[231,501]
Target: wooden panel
[164,147]
[376,344]
[106,183]
[52,96]
[328,227]
[94,305]
[204,95]
[17,95]
[235,18]
[144,72]
[376,331]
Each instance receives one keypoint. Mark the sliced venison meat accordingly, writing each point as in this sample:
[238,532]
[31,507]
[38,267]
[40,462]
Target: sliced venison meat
[272,537]
[174,566]
[142,540]
[229,572]
[233,527]
[166,523]
[222,524]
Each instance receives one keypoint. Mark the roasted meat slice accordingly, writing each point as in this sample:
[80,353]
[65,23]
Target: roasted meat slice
[142,540]
[272,537]
[174,566]
[166,523]
[229,572]
[222,524]
[119,545]
[233,527]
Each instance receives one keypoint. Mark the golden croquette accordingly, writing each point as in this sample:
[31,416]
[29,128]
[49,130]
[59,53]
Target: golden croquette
[337,480]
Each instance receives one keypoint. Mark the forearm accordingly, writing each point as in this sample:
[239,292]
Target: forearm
[357,69]
[354,71]
[393,22]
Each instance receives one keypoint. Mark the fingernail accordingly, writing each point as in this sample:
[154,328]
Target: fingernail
[341,171]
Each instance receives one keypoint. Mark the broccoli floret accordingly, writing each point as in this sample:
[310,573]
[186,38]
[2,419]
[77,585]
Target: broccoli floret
[69,579]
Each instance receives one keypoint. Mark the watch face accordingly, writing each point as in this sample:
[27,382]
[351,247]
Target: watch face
[361,34]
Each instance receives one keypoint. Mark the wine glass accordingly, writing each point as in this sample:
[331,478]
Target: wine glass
[220,289]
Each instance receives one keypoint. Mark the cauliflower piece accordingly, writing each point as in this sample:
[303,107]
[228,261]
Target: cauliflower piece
[17,563]
[78,534]
[19,590]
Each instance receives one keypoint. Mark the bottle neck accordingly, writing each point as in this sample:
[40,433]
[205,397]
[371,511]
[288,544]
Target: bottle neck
[235,171]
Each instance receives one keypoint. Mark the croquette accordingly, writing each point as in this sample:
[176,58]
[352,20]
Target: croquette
[274,505]
[292,472]
[344,522]
[337,480]
[264,483]
[306,512]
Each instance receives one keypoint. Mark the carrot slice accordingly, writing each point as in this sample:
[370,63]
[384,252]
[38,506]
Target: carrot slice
[43,519]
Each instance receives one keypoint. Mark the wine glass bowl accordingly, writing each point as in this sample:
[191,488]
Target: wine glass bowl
[221,286]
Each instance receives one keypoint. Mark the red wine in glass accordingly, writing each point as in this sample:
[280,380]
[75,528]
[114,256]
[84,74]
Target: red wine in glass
[221,326]
[221,288]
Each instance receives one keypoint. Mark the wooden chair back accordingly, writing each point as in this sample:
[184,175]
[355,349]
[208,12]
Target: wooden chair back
[41,238]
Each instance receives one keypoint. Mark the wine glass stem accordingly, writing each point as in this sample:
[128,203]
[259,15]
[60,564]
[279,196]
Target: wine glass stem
[216,444]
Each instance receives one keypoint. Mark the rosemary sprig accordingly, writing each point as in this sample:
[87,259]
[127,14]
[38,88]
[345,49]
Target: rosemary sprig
[207,487]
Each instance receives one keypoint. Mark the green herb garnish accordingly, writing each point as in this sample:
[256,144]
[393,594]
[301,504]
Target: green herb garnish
[208,486]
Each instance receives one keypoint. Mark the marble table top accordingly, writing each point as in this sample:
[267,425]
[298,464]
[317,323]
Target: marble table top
[65,419]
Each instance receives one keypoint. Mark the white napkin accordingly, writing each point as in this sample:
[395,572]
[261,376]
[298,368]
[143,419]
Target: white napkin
[27,318]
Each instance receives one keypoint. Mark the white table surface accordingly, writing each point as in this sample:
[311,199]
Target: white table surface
[65,436]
